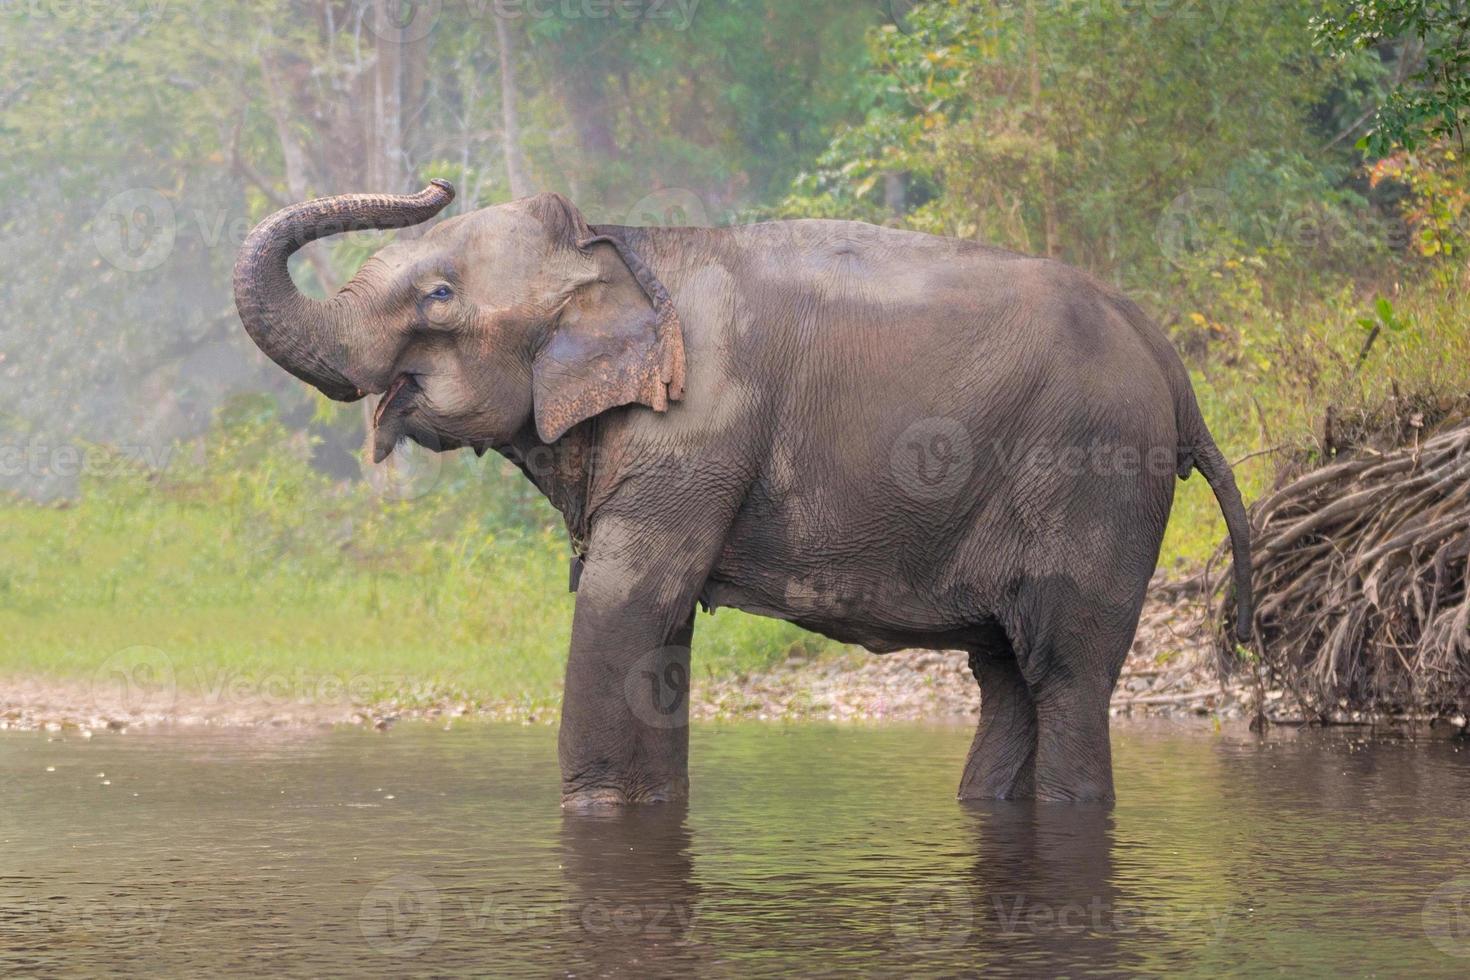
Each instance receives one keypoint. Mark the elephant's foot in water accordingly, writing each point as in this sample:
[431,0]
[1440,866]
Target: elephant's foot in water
[604,792]
[625,708]
[638,764]
[629,747]
[1049,744]
[646,782]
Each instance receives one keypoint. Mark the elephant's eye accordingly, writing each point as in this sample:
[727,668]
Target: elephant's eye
[441,293]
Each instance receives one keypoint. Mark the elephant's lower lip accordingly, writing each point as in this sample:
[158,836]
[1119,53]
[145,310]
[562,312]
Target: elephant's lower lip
[393,391]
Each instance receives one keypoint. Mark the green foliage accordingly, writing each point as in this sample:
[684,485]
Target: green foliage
[1069,128]
[1268,407]
[1437,208]
[1430,42]
[1384,317]
[1199,153]
[241,560]
[207,116]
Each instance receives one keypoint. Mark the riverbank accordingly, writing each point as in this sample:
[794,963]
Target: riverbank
[1169,673]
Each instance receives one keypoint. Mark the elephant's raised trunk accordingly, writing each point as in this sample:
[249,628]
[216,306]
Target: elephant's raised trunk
[307,337]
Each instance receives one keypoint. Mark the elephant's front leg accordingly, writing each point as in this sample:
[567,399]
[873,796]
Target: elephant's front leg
[625,710]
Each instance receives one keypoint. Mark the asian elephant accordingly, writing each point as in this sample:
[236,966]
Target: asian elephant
[890,438]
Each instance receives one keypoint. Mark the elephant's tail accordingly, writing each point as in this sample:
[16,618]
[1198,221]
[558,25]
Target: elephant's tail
[1197,450]
[1202,454]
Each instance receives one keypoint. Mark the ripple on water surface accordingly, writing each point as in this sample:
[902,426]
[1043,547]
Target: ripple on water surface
[815,850]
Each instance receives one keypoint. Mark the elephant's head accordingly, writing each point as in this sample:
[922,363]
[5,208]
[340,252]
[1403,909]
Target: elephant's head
[490,319]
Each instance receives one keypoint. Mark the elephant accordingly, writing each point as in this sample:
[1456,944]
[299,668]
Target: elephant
[893,439]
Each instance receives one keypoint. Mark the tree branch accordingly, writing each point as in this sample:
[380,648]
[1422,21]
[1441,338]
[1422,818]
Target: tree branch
[243,168]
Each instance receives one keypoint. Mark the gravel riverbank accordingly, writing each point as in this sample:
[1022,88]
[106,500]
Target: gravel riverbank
[1170,673]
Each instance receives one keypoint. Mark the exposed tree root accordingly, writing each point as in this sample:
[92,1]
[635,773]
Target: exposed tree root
[1359,575]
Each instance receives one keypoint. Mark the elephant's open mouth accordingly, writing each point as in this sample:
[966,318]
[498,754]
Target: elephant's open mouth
[390,420]
[405,385]
[400,416]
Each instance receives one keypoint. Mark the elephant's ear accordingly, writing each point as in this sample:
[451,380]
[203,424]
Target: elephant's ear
[618,340]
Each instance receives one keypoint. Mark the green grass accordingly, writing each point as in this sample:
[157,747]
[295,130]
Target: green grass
[244,566]
[1275,392]
[251,570]
[499,632]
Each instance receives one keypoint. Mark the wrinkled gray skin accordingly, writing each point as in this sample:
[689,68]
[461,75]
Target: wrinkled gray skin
[892,439]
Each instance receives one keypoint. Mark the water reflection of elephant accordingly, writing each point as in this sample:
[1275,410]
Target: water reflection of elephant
[630,890]
[1044,889]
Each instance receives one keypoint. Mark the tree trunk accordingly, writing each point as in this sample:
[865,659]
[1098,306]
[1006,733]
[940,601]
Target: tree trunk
[384,173]
[592,117]
[895,193]
[515,167]
[1048,206]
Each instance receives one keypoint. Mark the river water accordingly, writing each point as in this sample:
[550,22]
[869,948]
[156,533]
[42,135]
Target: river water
[814,850]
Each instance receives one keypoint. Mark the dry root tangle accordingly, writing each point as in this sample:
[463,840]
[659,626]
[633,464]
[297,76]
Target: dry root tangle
[1359,578]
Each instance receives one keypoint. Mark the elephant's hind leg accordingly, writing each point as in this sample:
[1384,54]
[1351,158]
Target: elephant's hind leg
[1002,758]
[1077,659]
